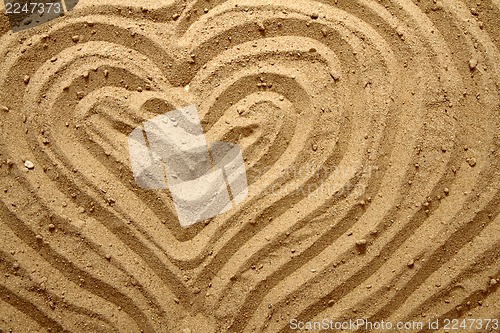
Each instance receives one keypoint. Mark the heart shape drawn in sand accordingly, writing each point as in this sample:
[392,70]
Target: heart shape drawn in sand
[326,111]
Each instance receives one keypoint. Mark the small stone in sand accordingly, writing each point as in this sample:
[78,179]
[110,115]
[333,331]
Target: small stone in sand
[175,16]
[26,79]
[29,165]
[261,26]
[472,162]
[314,16]
[5,108]
[52,227]
[335,76]
[472,64]
[493,282]
[361,245]
[75,38]
[361,242]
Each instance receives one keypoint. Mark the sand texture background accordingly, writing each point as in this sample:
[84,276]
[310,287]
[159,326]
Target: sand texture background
[370,132]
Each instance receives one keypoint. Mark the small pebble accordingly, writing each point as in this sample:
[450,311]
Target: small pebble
[446,191]
[29,165]
[52,227]
[75,38]
[472,64]
[410,263]
[26,79]
[261,26]
[314,16]
[472,162]
[493,282]
[361,242]
[108,257]
[335,76]
[5,108]
[175,16]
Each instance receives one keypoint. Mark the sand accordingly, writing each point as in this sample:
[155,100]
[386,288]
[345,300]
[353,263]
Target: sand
[370,132]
